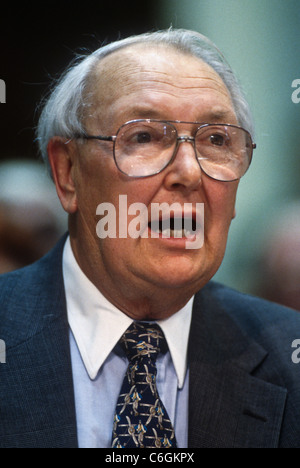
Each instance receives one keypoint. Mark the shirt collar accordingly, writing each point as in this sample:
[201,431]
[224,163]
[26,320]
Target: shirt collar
[97,325]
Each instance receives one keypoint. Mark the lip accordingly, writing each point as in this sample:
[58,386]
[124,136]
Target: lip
[179,244]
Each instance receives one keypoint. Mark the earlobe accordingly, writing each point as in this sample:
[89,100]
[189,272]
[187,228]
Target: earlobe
[234,214]
[61,155]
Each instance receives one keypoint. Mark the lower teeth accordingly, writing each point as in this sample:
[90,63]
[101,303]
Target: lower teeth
[177,234]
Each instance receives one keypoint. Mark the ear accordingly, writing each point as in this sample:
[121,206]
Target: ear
[234,214]
[62,155]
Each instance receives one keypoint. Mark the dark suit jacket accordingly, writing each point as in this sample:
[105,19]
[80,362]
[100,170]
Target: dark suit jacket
[244,387]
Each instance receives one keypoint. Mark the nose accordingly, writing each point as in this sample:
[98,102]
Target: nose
[184,172]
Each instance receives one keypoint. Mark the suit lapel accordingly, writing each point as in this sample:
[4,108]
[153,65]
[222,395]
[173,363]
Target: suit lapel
[36,386]
[229,407]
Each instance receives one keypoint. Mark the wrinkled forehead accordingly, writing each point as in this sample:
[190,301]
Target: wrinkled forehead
[143,66]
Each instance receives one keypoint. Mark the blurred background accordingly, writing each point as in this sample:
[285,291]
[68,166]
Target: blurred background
[261,41]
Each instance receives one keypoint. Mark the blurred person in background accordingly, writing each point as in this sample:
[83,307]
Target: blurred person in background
[17,244]
[280,260]
[31,219]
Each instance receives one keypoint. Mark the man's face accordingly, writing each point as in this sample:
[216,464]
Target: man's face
[164,84]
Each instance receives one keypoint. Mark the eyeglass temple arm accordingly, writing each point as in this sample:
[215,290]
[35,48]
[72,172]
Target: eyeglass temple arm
[99,137]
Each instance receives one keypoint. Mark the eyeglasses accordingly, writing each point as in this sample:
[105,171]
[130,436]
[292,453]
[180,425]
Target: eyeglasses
[145,147]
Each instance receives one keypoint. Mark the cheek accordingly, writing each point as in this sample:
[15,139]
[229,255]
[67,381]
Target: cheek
[99,178]
[101,186]
[220,205]
[95,175]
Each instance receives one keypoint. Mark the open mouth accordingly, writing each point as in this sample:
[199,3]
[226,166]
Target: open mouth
[177,228]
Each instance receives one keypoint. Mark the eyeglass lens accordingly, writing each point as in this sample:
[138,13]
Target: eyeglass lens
[145,148]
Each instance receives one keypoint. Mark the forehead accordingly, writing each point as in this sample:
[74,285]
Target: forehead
[142,80]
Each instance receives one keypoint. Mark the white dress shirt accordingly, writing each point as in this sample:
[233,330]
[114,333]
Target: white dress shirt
[99,363]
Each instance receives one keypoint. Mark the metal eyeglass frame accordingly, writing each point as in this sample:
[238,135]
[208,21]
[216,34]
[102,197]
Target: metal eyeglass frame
[180,139]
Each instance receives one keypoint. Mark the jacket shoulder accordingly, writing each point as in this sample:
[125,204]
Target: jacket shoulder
[26,296]
[254,314]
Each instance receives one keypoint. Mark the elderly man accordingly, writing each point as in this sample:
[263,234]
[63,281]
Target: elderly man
[121,340]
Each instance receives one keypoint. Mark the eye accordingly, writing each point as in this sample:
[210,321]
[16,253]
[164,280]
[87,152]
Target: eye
[143,137]
[217,139]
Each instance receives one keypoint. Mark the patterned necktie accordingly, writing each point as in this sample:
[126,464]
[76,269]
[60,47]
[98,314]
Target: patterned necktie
[141,420]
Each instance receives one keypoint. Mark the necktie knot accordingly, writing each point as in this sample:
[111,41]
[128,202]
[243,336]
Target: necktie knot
[143,341]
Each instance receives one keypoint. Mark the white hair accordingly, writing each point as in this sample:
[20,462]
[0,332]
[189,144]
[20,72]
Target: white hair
[63,112]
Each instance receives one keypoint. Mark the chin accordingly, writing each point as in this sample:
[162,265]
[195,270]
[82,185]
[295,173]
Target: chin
[180,273]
